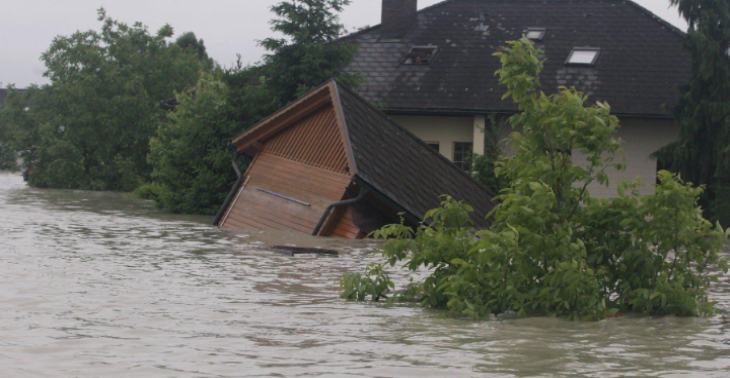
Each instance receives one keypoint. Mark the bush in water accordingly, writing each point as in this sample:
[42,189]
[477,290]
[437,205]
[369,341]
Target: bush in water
[553,249]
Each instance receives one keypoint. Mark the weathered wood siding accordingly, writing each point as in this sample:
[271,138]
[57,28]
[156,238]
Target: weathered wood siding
[256,210]
[345,228]
[315,141]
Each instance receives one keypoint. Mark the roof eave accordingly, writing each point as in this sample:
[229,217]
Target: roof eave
[474,112]
[305,105]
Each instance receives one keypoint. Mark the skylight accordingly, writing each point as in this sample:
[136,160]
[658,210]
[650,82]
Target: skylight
[583,56]
[535,34]
[421,55]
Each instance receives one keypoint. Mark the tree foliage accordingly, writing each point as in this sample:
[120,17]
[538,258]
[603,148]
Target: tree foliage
[190,155]
[92,125]
[311,52]
[8,150]
[484,167]
[189,40]
[554,250]
[701,155]
[19,121]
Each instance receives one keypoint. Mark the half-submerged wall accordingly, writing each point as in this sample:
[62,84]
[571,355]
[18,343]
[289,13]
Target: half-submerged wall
[293,178]
[331,164]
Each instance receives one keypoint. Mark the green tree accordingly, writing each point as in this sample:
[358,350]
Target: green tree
[312,51]
[93,123]
[188,40]
[701,154]
[484,167]
[19,120]
[553,249]
[8,153]
[190,155]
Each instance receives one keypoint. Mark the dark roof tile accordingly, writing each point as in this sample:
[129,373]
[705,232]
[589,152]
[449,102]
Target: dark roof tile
[402,167]
[642,59]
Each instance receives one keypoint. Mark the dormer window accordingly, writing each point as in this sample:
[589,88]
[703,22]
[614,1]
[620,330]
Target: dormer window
[535,34]
[421,55]
[583,56]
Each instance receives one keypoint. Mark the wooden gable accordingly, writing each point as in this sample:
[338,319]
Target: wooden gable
[300,167]
[315,141]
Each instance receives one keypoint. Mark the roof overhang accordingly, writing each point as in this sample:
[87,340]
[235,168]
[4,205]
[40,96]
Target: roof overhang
[248,141]
[251,141]
[475,112]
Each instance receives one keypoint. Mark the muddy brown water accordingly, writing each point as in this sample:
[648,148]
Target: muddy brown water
[101,285]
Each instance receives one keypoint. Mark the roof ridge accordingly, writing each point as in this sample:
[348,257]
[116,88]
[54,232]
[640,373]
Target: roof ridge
[657,18]
[339,84]
[636,5]
[630,2]
[371,28]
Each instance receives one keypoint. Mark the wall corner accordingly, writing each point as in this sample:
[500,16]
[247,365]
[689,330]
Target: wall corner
[480,124]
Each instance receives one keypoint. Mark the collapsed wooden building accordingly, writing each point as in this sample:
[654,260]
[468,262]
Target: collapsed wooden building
[331,164]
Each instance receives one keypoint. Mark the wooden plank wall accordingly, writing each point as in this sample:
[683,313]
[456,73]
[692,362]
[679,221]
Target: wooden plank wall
[315,141]
[256,210]
[345,227]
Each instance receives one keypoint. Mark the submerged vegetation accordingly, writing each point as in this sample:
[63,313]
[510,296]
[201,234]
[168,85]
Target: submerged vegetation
[189,154]
[553,249]
[90,127]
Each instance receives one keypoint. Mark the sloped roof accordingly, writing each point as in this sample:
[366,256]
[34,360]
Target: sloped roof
[400,166]
[642,59]
[382,155]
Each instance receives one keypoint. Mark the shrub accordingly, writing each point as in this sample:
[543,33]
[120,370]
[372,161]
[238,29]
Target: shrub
[554,250]
[484,167]
[375,283]
[190,156]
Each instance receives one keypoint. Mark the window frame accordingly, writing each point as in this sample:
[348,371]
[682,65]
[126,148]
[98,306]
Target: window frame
[410,55]
[461,164]
[593,63]
[543,34]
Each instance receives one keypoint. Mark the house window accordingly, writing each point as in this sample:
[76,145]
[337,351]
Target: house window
[535,34]
[583,56]
[421,55]
[435,145]
[462,154]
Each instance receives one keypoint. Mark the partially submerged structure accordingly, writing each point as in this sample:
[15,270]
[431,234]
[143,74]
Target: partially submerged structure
[331,164]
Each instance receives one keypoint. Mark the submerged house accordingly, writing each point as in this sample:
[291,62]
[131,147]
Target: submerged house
[432,70]
[331,164]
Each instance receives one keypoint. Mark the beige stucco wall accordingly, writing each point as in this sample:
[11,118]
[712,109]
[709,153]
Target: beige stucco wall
[641,138]
[444,130]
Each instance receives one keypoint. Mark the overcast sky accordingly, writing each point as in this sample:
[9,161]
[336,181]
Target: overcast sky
[229,27]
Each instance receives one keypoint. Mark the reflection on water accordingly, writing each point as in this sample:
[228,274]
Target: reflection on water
[101,285]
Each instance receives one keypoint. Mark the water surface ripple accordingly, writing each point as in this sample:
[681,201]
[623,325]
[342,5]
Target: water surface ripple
[101,285]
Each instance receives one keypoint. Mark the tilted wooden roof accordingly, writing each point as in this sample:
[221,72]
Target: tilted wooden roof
[382,155]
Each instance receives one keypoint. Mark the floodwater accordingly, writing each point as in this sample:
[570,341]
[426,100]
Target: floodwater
[102,285]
